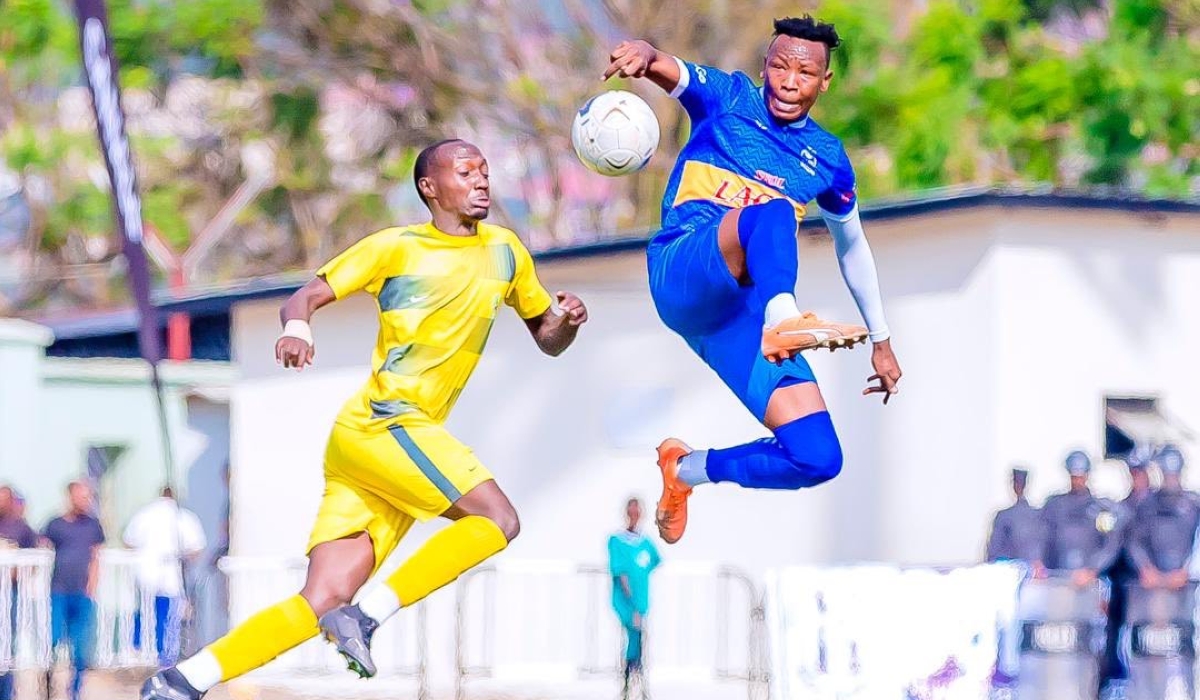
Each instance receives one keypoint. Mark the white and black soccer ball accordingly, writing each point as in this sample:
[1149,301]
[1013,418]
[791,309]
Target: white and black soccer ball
[615,133]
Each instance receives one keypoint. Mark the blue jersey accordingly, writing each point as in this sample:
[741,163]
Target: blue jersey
[739,155]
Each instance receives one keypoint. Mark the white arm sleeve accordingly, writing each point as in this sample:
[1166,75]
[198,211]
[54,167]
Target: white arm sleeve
[684,78]
[858,269]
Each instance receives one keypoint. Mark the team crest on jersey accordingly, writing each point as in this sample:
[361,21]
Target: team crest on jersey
[808,161]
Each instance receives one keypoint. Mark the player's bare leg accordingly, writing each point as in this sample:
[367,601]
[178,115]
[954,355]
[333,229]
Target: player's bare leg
[771,235]
[484,523]
[336,570]
[327,597]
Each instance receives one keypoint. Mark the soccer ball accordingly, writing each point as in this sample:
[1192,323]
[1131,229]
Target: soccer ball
[615,133]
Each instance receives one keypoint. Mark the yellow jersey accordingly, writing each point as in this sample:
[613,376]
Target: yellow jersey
[437,296]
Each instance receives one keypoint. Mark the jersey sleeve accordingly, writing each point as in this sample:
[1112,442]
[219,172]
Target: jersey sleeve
[703,90]
[359,266]
[841,197]
[526,294]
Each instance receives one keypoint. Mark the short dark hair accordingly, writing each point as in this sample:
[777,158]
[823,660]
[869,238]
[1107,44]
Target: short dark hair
[809,28]
[424,159]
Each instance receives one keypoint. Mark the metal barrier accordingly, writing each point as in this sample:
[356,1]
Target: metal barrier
[1159,642]
[25,609]
[550,622]
[1062,639]
[399,647]
[120,604]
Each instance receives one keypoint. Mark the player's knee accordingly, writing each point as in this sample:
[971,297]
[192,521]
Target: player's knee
[812,446]
[775,217]
[824,462]
[325,596]
[506,519]
[510,525]
[779,210]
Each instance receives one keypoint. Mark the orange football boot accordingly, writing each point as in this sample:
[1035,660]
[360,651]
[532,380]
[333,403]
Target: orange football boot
[805,332]
[671,514]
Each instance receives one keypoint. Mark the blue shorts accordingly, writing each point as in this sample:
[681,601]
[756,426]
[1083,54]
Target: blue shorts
[722,320]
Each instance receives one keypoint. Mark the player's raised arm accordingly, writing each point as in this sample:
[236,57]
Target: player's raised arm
[638,59]
[295,345]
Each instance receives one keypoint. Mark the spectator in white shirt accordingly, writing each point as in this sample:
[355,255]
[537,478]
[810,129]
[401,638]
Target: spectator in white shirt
[166,536]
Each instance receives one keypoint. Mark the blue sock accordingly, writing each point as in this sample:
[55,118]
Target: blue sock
[803,453]
[693,468]
[768,235]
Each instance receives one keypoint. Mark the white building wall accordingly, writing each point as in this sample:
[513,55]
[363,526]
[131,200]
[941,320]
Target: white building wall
[1010,327]
[1094,305]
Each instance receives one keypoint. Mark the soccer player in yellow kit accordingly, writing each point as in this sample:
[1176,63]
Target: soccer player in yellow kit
[389,460]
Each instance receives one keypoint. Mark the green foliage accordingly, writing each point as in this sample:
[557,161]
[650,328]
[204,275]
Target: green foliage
[966,91]
[295,113]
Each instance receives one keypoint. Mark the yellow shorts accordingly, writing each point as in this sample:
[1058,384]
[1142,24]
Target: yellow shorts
[380,482]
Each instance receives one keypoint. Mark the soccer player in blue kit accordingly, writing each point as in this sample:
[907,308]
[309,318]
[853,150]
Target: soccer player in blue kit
[723,269]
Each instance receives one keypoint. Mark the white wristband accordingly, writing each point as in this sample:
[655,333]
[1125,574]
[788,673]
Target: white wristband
[297,328]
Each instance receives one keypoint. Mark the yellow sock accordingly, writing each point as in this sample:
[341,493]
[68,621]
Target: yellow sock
[443,558]
[264,636]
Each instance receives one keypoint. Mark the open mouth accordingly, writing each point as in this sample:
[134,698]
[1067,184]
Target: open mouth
[781,107]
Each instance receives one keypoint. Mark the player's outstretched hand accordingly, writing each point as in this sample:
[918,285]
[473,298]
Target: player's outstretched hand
[887,372]
[293,352]
[573,308]
[631,59]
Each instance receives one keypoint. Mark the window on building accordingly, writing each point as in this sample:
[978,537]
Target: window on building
[1138,421]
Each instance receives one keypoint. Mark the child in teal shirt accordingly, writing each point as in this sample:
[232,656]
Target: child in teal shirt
[631,558]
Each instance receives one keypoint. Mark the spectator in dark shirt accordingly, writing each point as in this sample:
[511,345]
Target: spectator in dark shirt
[75,536]
[15,533]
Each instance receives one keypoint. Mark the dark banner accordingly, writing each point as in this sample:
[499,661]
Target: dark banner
[100,67]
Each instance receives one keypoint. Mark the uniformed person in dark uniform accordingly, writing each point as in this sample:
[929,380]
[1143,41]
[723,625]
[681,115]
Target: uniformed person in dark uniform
[1166,522]
[1016,530]
[1016,536]
[1124,573]
[1080,533]
[1161,547]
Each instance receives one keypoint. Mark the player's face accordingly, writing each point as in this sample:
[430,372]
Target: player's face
[6,500]
[1079,482]
[459,181]
[795,73]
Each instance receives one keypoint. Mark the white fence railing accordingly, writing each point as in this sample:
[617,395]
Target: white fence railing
[25,615]
[551,623]
[24,609]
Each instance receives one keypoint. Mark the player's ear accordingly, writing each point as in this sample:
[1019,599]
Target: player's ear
[827,80]
[427,188]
